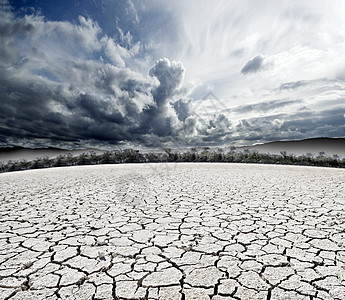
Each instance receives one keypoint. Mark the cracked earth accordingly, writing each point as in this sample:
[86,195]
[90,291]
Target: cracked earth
[185,231]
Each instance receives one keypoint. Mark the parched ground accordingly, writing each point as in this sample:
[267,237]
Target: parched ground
[173,231]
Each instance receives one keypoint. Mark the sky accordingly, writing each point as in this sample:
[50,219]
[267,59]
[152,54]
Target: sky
[158,73]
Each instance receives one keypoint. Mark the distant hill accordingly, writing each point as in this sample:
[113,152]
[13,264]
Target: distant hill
[18,153]
[328,145]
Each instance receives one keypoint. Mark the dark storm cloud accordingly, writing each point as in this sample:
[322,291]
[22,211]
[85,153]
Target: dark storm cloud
[264,106]
[160,118]
[50,96]
[38,108]
[254,65]
[27,113]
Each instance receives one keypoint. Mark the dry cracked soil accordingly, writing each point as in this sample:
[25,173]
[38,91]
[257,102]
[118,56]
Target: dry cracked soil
[173,231]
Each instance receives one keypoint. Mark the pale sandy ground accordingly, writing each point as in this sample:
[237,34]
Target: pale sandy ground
[176,231]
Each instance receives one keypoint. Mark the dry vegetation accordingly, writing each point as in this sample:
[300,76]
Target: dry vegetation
[168,155]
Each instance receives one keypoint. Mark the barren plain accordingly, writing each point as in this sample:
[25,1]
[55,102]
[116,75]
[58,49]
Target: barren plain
[173,231]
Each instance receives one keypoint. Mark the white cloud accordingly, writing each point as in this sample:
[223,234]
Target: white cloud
[115,52]
[131,9]
[170,75]
[299,40]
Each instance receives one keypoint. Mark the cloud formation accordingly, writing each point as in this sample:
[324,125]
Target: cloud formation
[59,94]
[286,126]
[170,76]
[253,65]
[80,83]
[53,92]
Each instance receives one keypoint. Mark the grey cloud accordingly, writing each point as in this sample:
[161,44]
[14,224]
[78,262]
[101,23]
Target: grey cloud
[170,76]
[162,119]
[182,108]
[93,108]
[40,108]
[238,52]
[254,65]
[219,122]
[243,124]
[216,128]
[301,125]
[264,106]
[292,85]
[317,83]
[189,125]
[322,123]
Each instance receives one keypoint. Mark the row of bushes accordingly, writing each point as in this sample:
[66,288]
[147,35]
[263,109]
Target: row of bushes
[134,156]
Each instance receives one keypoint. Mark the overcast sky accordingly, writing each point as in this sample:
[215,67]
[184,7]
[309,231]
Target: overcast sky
[170,73]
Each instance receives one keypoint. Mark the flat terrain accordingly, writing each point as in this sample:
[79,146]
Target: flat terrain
[173,231]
